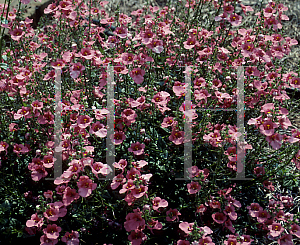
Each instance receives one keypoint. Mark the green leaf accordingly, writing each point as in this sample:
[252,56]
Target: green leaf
[4,66]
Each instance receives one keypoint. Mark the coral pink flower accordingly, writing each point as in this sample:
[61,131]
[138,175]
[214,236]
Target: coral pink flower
[69,196]
[275,229]
[159,203]
[193,187]
[137,74]
[52,231]
[172,214]
[86,186]
[71,238]
[219,217]
[186,227]
[35,221]
[137,148]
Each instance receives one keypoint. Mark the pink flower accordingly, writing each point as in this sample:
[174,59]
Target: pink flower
[86,186]
[295,136]
[35,221]
[275,229]
[117,181]
[38,173]
[219,217]
[267,128]
[59,64]
[140,191]
[84,121]
[16,34]
[235,19]
[231,240]
[206,240]
[121,32]
[121,164]
[295,230]
[69,196]
[98,129]
[245,240]
[154,225]
[134,220]
[254,208]
[186,227]
[47,241]
[48,161]
[76,69]
[100,168]
[87,53]
[137,148]
[190,43]
[137,237]
[262,216]
[172,214]
[275,140]
[24,112]
[177,137]
[159,203]
[147,37]
[137,74]
[71,238]
[20,149]
[193,187]
[52,231]
[183,242]
[48,194]
[285,240]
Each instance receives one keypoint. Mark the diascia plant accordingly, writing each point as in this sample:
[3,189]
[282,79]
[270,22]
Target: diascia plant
[145,202]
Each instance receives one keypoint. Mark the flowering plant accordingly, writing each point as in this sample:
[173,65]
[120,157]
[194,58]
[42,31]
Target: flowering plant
[154,53]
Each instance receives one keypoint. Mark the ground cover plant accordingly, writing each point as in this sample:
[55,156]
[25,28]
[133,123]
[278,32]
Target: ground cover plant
[150,52]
